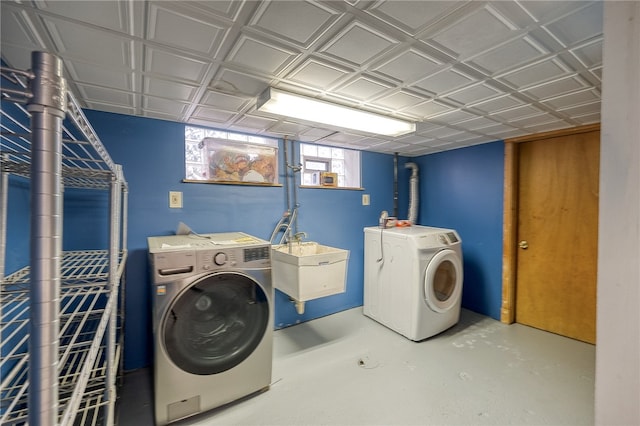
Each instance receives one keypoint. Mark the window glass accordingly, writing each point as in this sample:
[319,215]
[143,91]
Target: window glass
[196,160]
[345,163]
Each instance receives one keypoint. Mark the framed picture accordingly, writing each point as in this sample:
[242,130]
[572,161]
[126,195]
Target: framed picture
[227,161]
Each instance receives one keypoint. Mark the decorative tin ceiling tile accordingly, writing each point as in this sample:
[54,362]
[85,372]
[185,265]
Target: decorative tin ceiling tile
[195,34]
[282,19]
[476,32]
[408,66]
[317,74]
[358,44]
[260,56]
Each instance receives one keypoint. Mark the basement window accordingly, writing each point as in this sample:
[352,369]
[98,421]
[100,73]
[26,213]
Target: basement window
[320,163]
[197,163]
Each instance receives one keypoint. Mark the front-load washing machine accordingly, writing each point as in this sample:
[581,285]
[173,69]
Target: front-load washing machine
[212,321]
[413,279]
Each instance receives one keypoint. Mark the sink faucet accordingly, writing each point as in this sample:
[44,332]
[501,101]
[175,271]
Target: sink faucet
[298,236]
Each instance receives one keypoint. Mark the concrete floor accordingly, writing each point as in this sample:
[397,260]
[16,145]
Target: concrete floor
[346,369]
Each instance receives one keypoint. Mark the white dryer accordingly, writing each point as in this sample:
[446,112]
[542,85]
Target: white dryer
[413,279]
[212,321]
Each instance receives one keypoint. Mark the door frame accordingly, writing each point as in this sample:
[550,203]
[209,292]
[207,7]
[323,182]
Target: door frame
[510,213]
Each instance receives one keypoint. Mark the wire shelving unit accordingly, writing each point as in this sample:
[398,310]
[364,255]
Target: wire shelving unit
[61,314]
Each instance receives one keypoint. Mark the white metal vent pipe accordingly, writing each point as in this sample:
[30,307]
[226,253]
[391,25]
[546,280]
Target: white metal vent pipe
[413,193]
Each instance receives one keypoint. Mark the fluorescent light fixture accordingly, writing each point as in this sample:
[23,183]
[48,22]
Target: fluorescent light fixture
[304,108]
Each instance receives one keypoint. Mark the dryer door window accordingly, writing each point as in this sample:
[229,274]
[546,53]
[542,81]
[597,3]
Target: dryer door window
[216,323]
[443,281]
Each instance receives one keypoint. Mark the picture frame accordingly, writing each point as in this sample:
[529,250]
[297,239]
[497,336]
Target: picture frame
[234,162]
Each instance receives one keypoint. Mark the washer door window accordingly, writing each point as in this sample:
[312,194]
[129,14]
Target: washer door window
[216,323]
[443,281]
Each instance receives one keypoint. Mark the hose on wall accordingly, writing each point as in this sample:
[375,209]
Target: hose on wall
[413,193]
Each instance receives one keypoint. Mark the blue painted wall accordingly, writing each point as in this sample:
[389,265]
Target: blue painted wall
[152,155]
[460,189]
[463,189]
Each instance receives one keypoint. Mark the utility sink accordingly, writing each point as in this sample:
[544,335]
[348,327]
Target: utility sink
[308,270]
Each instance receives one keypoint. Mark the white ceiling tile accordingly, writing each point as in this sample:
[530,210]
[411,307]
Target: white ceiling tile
[113,15]
[534,120]
[238,83]
[100,76]
[90,44]
[107,107]
[164,63]
[517,112]
[213,115]
[454,117]
[315,133]
[398,101]
[316,74]
[444,81]
[477,123]
[343,137]
[536,73]
[408,66]
[224,101]
[579,25]
[585,109]
[253,122]
[545,10]
[195,34]
[287,128]
[597,72]
[411,16]
[498,104]
[282,18]
[547,127]
[259,55]
[106,95]
[571,99]
[555,88]
[362,88]
[508,55]
[17,56]
[497,129]
[17,30]
[472,94]
[588,118]
[358,44]
[478,31]
[169,89]
[427,109]
[164,106]
[227,9]
[443,132]
[590,55]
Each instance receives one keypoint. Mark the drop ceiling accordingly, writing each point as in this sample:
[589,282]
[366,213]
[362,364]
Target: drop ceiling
[467,72]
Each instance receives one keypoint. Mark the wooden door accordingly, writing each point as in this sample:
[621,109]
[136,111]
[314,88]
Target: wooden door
[557,234]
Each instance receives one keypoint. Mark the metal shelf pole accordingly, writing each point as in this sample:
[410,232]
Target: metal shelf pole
[47,108]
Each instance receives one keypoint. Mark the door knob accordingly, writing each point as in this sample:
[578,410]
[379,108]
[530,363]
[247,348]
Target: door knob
[523,244]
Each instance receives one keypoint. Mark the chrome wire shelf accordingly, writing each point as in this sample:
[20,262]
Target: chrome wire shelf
[85,161]
[77,292]
[84,298]
[90,410]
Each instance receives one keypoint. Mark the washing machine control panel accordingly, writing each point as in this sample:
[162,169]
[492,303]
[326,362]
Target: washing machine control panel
[220,258]
[210,260]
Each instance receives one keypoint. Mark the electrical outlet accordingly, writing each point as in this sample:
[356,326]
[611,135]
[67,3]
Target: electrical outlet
[366,200]
[175,199]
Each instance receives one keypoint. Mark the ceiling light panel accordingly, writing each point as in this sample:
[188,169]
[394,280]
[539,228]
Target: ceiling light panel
[287,104]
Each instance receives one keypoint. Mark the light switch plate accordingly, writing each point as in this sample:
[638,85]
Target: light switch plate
[366,200]
[175,199]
